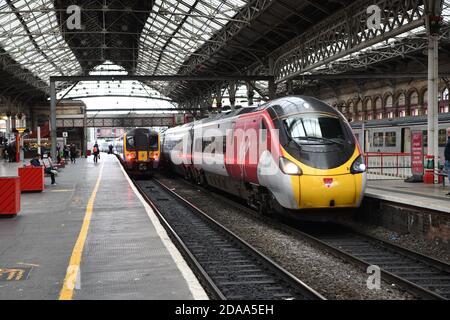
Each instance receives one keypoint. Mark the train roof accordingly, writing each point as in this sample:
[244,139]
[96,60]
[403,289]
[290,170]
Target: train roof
[298,104]
[136,130]
[281,107]
[417,120]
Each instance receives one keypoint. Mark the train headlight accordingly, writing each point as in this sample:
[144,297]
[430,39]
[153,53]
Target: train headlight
[290,168]
[358,166]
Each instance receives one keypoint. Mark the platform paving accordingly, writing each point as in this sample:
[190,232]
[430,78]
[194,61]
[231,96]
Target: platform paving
[415,194]
[125,256]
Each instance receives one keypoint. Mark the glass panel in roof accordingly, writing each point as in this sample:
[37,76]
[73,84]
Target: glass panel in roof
[46,53]
[128,88]
[178,28]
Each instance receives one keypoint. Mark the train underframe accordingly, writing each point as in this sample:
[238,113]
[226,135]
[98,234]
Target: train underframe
[140,169]
[259,197]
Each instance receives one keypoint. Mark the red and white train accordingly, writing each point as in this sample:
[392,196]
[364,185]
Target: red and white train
[290,154]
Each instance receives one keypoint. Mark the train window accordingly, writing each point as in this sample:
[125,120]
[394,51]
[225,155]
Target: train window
[130,143]
[153,143]
[209,145]
[390,139]
[224,146]
[442,137]
[315,129]
[378,139]
[140,141]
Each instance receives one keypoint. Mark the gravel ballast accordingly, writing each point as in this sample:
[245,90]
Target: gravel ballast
[329,275]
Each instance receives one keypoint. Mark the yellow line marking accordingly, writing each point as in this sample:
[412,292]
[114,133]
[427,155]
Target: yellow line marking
[75,260]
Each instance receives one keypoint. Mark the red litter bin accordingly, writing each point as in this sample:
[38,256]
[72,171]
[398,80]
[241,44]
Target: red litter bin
[9,195]
[31,179]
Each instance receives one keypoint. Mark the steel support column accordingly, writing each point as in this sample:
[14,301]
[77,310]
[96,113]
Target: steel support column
[13,122]
[232,88]
[433,92]
[272,90]
[434,8]
[53,119]
[218,94]
[250,94]
[85,133]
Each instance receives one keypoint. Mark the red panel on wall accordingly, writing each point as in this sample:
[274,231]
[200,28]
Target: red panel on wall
[31,179]
[9,195]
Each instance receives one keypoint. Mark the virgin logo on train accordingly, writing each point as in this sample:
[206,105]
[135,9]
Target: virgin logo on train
[328,182]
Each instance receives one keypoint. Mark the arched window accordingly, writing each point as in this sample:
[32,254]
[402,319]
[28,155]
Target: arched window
[351,108]
[414,102]
[389,104]
[445,94]
[444,103]
[425,102]
[360,111]
[401,105]
[369,109]
[379,108]
[414,98]
[401,100]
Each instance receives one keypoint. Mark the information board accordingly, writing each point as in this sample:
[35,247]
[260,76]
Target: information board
[417,153]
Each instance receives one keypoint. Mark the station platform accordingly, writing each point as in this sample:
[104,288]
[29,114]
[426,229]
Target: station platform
[91,236]
[414,194]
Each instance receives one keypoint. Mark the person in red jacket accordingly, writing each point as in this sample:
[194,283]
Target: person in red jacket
[96,152]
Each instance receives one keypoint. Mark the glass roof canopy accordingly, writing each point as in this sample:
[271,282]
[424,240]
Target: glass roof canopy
[173,32]
[176,29]
[29,33]
[128,88]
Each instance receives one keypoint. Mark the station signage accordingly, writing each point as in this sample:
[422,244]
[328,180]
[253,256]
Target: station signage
[417,154]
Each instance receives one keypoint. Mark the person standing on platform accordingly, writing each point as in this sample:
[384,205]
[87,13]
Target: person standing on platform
[96,152]
[66,152]
[73,154]
[12,152]
[447,156]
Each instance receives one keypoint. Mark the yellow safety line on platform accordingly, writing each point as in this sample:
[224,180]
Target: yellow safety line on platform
[75,260]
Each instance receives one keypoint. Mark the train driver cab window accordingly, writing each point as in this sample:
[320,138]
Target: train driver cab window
[390,139]
[130,143]
[315,129]
[153,143]
[378,139]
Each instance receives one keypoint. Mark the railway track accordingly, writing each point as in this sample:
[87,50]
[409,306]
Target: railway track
[423,276]
[228,267]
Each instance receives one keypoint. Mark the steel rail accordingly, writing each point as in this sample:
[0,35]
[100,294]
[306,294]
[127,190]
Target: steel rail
[410,286]
[212,287]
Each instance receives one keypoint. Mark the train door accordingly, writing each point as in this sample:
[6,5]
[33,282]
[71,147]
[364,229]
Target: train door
[142,146]
[252,144]
[233,145]
[406,141]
